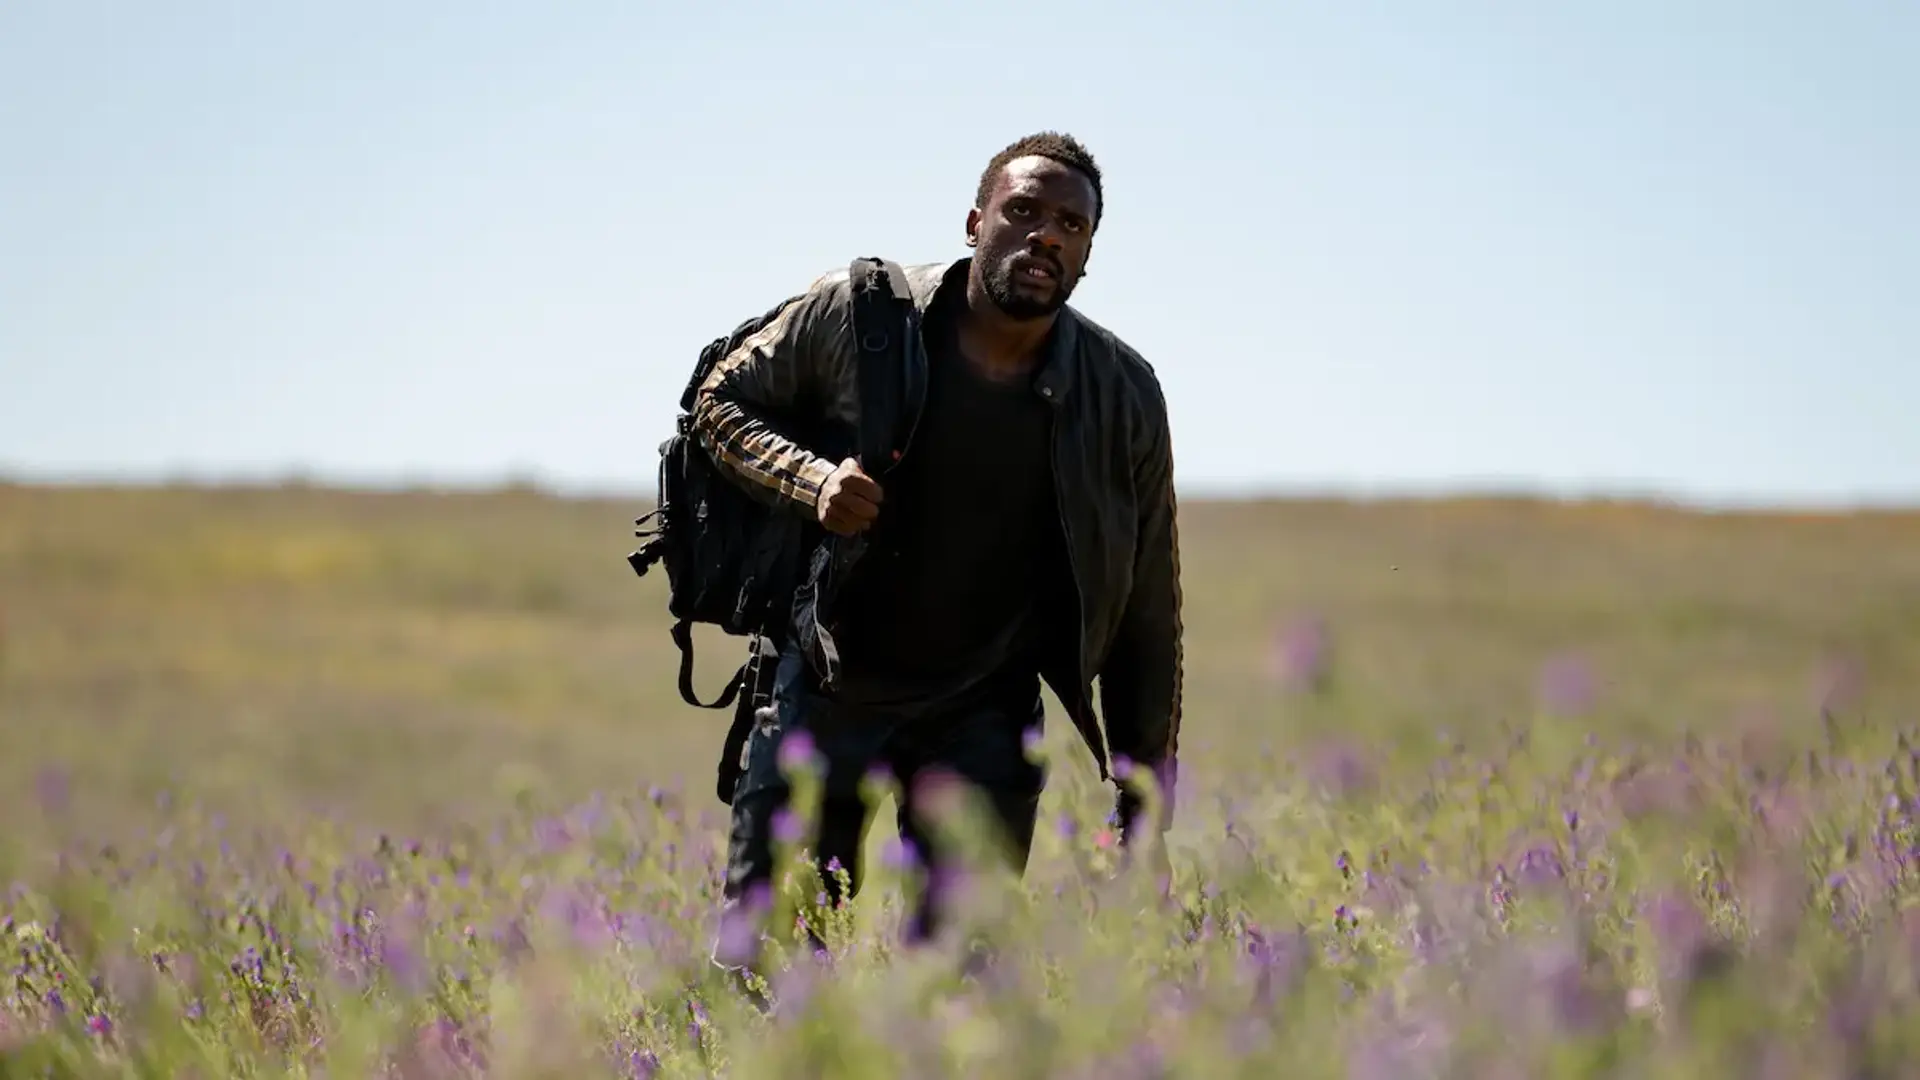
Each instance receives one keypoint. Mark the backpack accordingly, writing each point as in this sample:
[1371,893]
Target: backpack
[735,562]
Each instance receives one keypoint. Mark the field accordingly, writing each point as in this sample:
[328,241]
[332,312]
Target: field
[307,782]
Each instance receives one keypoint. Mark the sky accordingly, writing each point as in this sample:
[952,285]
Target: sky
[1623,248]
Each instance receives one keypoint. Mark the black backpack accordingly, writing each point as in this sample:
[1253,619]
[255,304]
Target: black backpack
[732,561]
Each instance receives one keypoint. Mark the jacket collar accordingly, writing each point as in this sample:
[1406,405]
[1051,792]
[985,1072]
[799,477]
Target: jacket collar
[1059,368]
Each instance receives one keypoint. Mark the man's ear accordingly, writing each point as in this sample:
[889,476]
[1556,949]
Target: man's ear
[973,227]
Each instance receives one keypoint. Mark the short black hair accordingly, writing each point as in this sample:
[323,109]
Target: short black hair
[1054,145]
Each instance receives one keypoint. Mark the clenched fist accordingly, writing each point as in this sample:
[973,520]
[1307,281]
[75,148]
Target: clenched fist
[850,500]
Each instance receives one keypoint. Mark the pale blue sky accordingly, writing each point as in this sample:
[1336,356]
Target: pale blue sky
[1369,246]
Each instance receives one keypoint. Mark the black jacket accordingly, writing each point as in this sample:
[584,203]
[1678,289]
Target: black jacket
[1113,469]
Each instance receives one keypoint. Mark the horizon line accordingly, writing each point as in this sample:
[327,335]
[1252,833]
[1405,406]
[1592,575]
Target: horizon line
[1512,489]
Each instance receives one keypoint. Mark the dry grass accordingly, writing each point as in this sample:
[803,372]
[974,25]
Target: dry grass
[405,658]
[1523,906]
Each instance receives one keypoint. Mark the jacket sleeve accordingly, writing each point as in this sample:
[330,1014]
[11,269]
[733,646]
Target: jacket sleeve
[770,373]
[1141,680]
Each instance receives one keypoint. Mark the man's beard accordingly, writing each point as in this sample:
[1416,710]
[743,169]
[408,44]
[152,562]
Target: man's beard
[999,279]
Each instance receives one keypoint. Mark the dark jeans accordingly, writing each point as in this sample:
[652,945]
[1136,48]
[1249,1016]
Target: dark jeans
[980,742]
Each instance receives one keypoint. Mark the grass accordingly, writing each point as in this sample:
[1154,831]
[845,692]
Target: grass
[1467,787]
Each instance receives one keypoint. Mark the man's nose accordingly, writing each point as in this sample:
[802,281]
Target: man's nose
[1046,235]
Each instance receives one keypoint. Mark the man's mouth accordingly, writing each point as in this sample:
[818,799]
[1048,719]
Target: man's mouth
[1035,269]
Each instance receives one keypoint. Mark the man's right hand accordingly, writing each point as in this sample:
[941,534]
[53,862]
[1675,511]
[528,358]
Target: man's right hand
[850,500]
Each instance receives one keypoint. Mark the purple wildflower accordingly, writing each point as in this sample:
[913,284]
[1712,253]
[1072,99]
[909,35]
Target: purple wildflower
[697,1022]
[1653,791]
[250,965]
[898,854]
[1275,963]
[1300,656]
[1066,827]
[1566,686]
[1838,684]
[581,913]
[787,827]
[1566,989]
[1910,935]
[793,987]
[1850,1015]
[948,884]
[402,960]
[1342,769]
[128,978]
[511,938]
[552,834]
[1538,866]
[941,793]
[1167,775]
[1146,1060]
[442,1049]
[1771,898]
[797,751]
[52,789]
[1779,811]
[738,941]
[1684,936]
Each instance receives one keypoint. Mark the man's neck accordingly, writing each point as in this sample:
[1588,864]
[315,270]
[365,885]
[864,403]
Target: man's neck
[998,345]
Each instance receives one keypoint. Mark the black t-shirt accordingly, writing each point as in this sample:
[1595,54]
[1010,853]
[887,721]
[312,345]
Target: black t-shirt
[965,583]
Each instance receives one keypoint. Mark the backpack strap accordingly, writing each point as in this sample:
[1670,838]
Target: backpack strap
[882,318]
[882,304]
[683,640]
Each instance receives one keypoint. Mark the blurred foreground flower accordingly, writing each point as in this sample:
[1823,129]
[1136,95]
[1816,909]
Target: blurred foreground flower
[899,855]
[1838,684]
[401,956]
[1276,964]
[797,751]
[1566,686]
[1341,768]
[738,938]
[12,1032]
[441,1051]
[793,986]
[1300,656]
[52,789]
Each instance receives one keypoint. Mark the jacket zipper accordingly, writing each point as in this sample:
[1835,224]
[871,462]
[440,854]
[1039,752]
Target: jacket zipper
[1073,571]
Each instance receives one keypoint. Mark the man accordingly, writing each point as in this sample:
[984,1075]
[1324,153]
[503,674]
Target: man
[1024,534]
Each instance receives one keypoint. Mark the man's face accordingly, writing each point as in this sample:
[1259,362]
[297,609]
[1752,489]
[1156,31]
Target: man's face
[1032,239]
